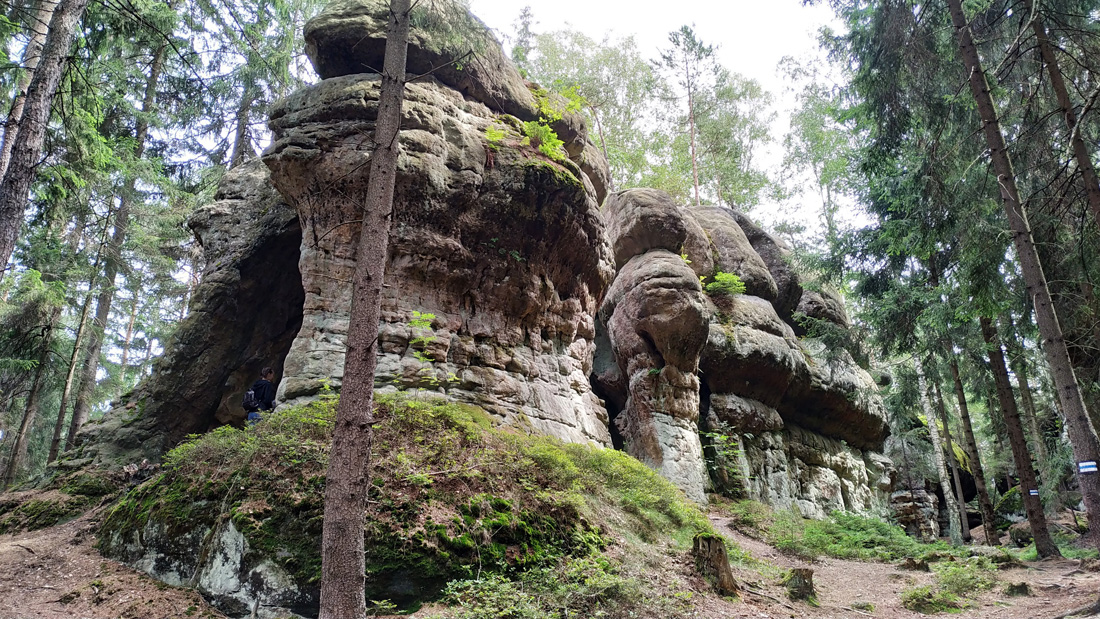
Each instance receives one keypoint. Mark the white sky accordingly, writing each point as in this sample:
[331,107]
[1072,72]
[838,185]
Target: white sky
[751,38]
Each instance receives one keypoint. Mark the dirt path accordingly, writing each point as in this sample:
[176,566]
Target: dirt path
[1057,586]
[57,573]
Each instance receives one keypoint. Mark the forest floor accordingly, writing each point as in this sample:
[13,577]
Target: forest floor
[57,573]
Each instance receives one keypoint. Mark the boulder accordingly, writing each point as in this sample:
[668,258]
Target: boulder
[825,305]
[777,256]
[243,315]
[640,220]
[507,252]
[733,252]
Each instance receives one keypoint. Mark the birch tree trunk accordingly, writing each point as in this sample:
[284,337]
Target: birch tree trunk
[937,456]
[342,545]
[1079,427]
[1044,545]
[26,148]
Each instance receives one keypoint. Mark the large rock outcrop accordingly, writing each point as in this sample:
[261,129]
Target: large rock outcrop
[554,316]
[808,420]
[503,245]
[242,316]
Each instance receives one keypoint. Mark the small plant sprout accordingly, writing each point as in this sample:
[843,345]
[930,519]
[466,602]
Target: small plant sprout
[727,284]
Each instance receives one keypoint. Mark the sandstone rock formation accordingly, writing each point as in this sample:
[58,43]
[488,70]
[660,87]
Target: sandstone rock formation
[242,316]
[551,315]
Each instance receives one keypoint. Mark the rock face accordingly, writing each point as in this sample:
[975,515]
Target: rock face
[508,288]
[504,246]
[242,316]
[808,421]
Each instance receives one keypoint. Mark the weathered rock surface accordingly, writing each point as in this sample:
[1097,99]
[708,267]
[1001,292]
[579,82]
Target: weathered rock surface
[219,563]
[243,315]
[656,320]
[732,251]
[824,305]
[777,256]
[504,247]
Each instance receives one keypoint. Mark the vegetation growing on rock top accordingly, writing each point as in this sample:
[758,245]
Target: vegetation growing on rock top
[451,498]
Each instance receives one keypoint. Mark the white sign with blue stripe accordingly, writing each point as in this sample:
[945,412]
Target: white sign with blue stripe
[1088,466]
[1033,492]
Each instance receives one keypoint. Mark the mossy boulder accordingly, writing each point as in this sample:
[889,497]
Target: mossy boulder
[238,513]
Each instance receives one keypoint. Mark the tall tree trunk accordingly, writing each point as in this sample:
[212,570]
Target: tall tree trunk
[603,146]
[242,140]
[694,159]
[989,522]
[342,545]
[1058,83]
[938,457]
[66,392]
[32,53]
[19,448]
[1018,362]
[114,263]
[1079,427]
[1044,545]
[964,521]
[27,145]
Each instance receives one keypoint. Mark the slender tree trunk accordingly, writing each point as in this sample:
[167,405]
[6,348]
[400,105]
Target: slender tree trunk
[1018,362]
[31,55]
[603,146]
[1044,545]
[114,263]
[342,545]
[26,149]
[1079,427]
[1057,82]
[66,392]
[938,456]
[989,522]
[694,162]
[964,521]
[242,140]
[19,448]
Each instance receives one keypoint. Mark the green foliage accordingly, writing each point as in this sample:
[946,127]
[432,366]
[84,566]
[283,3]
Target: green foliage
[541,136]
[966,577]
[725,284]
[722,451]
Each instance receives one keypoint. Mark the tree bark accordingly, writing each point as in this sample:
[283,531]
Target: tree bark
[114,263]
[1079,427]
[1044,545]
[938,457]
[1057,82]
[989,522]
[29,140]
[342,546]
[1018,363]
[31,56]
[19,448]
[964,521]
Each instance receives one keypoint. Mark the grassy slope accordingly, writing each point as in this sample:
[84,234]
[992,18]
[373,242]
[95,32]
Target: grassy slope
[526,522]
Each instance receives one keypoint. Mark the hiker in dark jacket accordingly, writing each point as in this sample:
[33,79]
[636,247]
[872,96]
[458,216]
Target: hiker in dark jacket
[265,395]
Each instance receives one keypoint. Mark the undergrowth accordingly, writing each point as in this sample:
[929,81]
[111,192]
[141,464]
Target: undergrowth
[451,501]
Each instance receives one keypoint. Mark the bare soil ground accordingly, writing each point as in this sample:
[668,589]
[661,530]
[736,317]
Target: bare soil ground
[57,573]
[1057,586]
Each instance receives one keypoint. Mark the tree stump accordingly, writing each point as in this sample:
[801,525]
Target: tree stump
[713,562]
[800,584]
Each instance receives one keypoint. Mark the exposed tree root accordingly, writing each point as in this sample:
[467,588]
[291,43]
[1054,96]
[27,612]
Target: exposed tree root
[1084,611]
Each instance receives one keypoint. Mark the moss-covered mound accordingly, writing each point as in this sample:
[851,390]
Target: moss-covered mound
[64,499]
[451,499]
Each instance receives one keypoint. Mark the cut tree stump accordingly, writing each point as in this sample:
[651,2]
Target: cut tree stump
[800,584]
[711,559]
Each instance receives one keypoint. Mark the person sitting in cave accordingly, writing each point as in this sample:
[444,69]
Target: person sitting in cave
[261,396]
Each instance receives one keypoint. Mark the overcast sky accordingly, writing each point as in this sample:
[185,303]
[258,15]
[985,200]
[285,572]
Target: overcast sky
[751,37]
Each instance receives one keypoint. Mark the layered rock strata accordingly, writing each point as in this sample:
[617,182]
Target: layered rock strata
[502,245]
[808,421]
